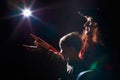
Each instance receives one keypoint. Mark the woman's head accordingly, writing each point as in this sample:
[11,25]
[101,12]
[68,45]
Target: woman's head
[70,45]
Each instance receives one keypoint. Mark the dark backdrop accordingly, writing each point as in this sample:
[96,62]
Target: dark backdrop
[57,17]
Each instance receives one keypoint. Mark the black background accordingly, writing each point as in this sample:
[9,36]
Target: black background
[62,16]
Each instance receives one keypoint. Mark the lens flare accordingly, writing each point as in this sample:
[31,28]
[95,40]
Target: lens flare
[27,12]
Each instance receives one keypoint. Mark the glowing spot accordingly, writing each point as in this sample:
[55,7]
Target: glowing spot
[27,12]
[69,68]
[94,65]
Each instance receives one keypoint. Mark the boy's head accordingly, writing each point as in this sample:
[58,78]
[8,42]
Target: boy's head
[70,45]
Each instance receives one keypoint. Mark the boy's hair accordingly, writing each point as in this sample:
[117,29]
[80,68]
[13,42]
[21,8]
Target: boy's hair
[71,40]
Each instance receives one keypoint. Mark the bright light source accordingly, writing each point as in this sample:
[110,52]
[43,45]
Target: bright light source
[27,12]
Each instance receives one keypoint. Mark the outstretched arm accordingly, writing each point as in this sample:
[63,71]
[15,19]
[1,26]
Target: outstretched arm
[39,43]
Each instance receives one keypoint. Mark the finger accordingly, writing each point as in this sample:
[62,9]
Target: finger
[28,46]
[25,45]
